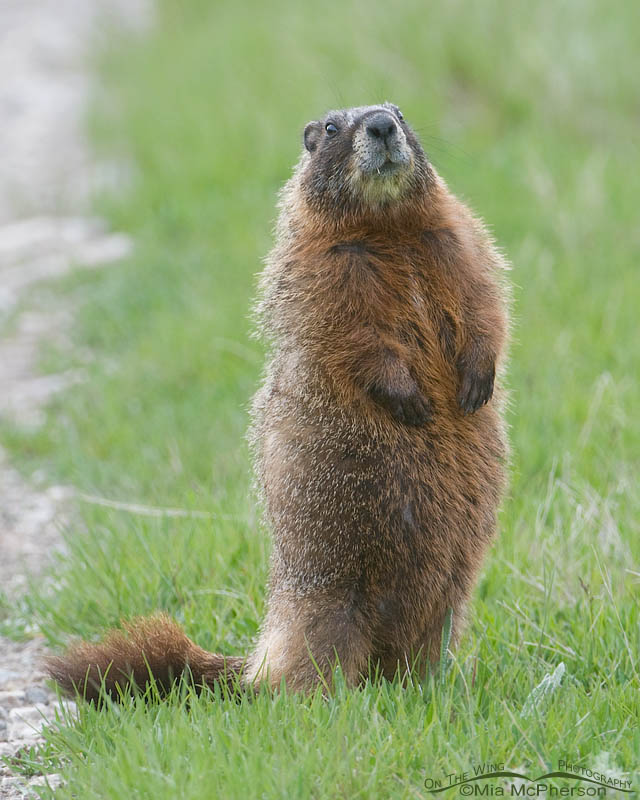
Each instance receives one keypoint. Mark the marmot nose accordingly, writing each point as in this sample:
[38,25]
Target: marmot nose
[381,126]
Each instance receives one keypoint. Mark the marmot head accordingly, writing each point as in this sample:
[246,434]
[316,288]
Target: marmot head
[362,160]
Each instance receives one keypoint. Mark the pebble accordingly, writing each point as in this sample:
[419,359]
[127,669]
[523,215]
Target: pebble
[26,722]
[37,694]
[11,699]
[52,781]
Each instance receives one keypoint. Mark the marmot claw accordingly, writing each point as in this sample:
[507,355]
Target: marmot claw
[476,388]
[410,409]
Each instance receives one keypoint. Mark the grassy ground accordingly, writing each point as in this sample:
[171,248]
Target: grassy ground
[530,112]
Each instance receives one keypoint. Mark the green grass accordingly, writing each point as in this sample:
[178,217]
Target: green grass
[530,112]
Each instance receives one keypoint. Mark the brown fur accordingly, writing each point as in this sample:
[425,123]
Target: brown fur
[152,646]
[378,436]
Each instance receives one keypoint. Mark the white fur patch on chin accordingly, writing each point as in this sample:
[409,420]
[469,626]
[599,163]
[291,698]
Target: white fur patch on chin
[378,188]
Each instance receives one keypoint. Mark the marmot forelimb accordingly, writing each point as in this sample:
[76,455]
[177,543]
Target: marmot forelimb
[378,431]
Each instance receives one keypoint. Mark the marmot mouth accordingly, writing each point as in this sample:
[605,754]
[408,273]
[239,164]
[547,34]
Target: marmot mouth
[385,168]
[389,167]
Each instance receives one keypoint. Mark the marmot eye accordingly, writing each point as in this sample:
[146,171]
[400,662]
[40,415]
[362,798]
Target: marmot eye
[331,129]
[399,113]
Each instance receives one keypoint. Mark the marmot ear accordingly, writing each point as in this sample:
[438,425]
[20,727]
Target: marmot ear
[312,133]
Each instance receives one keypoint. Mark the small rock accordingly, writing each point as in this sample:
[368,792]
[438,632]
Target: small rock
[53,781]
[7,675]
[12,788]
[7,750]
[12,748]
[11,699]
[23,731]
[27,722]
[37,694]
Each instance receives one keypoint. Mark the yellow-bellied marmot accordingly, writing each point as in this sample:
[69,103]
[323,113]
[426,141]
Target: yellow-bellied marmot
[378,432]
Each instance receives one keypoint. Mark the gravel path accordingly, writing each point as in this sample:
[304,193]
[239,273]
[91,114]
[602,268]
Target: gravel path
[47,175]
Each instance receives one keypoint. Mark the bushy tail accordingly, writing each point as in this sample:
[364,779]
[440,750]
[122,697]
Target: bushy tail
[149,646]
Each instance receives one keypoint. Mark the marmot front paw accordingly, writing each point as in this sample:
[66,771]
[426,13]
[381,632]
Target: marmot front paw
[476,387]
[410,409]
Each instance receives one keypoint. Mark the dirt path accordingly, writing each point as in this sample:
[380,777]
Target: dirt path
[47,175]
